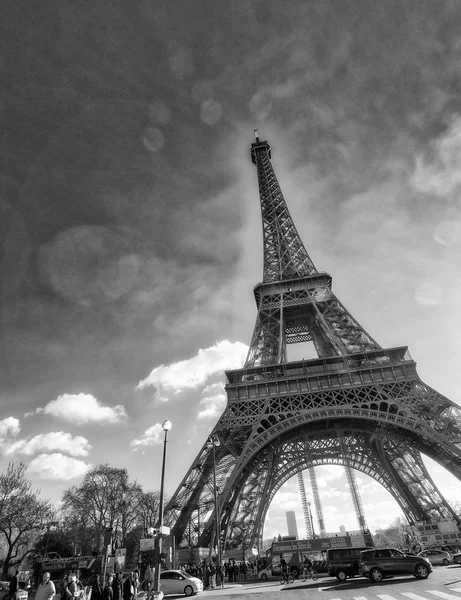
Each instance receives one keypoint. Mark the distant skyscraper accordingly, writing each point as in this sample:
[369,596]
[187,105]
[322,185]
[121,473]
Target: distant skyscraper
[342,530]
[291,523]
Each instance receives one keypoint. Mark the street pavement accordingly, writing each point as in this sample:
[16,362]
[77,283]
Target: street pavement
[444,583]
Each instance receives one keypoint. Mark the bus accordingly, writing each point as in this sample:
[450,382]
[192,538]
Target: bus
[85,567]
[295,551]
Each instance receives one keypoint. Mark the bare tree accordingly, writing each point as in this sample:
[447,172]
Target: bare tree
[23,515]
[108,501]
[149,509]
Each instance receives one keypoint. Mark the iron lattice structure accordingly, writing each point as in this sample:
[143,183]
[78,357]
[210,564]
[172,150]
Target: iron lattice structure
[357,405]
[306,513]
[317,503]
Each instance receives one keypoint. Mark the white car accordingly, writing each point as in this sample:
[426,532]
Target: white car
[437,557]
[264,574]
[5,592]
[179,582]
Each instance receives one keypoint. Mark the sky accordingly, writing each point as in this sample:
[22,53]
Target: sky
[130,222]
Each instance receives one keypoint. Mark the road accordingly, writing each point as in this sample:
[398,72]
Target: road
[444,583]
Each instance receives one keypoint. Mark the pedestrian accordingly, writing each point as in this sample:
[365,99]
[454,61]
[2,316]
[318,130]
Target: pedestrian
[149,578]
[117,587]
[46,590]
[108,592]
[129,588]
[96,590]
[212,575]
[206,575]
[219,577]
[72,591]
[14,584]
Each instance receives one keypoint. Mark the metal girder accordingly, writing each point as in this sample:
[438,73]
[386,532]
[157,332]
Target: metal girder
[357,405]
[285,256]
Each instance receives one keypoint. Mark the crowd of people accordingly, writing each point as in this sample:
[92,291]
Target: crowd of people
[214,575]
[116,587]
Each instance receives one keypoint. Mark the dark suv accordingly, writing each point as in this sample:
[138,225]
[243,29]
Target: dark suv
[381,562]
[344,562]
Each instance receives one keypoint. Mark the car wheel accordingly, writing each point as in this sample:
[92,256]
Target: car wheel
[422,571]
[376,575]
[188,590]
[341,575]
[264,577]
[446,562]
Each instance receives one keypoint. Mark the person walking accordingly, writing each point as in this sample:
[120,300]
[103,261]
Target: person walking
[219,576]
[129,588]
[73,591]
[149,578]
[14,584]
[117,587]
[212,575]
[96,590]
[46,590]
[108,592]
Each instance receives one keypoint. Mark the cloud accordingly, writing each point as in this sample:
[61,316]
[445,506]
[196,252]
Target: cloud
[153,435]
[442,175]
[195,371]
[9,427]
[49,442]
[83,408]
[214,402]
[57,466]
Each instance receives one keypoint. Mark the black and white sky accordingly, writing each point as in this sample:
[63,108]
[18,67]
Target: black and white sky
[129,212]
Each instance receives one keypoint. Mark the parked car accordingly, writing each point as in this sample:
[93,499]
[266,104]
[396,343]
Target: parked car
[381,562]
[457,558]
[179,582]
[437,557]
[5,592]
[344,562]
[265,573]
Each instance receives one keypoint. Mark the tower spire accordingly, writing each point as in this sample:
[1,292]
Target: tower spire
[295,301]
[285,256]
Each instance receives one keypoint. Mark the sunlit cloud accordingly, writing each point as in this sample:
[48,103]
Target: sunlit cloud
[49,442]
[152,436]
[57,466]
[195,371]
[213,402]
[9,427]
[83,409]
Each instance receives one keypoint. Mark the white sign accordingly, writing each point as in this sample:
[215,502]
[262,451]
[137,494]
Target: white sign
[120,557]
[146,544]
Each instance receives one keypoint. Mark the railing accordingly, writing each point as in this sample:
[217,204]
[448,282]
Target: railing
[317,366]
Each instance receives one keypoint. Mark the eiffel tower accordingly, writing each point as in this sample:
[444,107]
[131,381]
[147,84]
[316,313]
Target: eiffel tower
[358,405]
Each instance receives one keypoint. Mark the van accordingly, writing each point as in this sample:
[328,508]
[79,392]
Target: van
[344,562]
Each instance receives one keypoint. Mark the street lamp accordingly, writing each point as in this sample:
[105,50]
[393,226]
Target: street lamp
[214,443]
[157,594]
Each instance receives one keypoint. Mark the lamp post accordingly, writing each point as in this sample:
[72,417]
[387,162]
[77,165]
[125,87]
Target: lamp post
[214,443]
[157,594]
